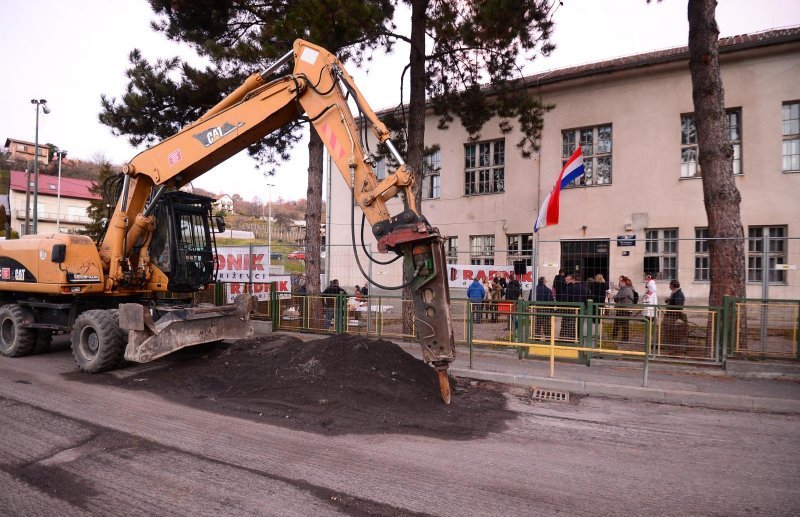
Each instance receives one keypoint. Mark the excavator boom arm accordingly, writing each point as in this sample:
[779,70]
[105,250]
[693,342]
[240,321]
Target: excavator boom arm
[317,88]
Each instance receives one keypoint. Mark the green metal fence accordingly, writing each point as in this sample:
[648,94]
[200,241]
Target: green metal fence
[740,328]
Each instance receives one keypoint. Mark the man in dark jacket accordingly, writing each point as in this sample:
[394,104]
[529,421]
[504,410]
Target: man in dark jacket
[541,324]
[675,324]
[578,291]
[513,290]
[329,295]
[560,286]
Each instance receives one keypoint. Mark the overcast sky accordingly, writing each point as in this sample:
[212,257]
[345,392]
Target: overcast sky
[71,52]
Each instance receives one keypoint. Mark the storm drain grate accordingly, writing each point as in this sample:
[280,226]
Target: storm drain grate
[550,395]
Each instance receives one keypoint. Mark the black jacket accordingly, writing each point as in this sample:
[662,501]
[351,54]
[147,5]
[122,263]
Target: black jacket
[513,290]
[676,298]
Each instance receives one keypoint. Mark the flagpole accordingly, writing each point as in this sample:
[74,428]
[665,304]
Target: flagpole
[535,262]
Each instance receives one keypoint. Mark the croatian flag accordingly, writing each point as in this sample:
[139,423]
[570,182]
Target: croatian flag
[572,170]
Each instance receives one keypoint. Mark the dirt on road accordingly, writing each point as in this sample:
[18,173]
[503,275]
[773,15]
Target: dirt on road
[339,385]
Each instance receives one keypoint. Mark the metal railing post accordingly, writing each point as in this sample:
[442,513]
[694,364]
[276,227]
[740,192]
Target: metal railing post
[646,351]
[469,331]
[274,306]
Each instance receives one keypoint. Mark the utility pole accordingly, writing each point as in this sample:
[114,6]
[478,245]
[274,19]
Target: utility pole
[43,104]
[61,154]
[269,223]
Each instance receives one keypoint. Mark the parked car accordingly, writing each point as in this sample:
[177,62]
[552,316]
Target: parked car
[276,255]
[297,255]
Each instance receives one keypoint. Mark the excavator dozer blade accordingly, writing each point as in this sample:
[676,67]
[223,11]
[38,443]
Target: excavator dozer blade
[148,340]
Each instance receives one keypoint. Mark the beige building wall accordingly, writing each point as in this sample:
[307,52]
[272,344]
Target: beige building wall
[644,106]
[74,212]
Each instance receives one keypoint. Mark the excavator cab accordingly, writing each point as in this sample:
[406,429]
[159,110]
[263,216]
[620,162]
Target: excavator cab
[184,247]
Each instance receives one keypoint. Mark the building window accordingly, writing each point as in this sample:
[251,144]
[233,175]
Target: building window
[484,167]
[661,253]
[791,136]
[451,250]
[520,247]
[481,250]
[701,261]
[380,168]
[690,168]
[431,166]
[595,145]
[21,148]
[774,254]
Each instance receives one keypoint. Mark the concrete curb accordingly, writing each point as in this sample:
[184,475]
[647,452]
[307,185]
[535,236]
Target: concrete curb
[661,396]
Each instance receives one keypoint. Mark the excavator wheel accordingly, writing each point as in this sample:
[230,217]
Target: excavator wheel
[97,341]
[16,341]
[44,338]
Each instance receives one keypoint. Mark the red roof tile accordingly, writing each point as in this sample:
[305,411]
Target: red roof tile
[48,185]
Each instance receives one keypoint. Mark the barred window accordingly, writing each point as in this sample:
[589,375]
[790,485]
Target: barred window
[451,250]
[661,253]
[484,167]
[690,167]
[595,145]
[431,167]
[481,249]
[774,254]
[702,269]
[791,136]
[520,247]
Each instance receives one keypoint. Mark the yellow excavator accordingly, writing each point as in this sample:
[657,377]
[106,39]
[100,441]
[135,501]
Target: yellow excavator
[109,294]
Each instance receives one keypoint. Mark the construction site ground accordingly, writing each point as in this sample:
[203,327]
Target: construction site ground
[297,425]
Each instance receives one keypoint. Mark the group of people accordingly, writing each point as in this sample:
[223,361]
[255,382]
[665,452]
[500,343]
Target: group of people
[333,290]
[570,288]
[486,295]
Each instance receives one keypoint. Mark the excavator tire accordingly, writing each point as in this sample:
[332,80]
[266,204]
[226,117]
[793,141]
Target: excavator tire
[44,338]
[16,341]
[97,341]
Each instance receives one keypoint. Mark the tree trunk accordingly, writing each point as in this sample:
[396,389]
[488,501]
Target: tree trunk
[720,195]
[313,222]
[416,121]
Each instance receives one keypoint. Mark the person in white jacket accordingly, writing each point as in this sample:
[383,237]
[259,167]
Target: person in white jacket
[650,297]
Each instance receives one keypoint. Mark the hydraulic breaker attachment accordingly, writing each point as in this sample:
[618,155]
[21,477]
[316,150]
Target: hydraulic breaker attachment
[425,267]
[148,340]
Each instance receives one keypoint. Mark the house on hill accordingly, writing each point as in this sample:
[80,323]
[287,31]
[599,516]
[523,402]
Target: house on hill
[223,203]
[75,200]
[22,151]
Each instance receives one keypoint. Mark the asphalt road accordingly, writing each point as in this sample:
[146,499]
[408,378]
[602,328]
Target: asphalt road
[75,448]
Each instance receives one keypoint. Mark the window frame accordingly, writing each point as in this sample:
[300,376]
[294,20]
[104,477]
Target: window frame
[451,249]
[737,167]
[431,175]
[702,262]
[516,248]
[661,244]
[755,254]
[481,250]
[592,154]
[790,136]
[484,167]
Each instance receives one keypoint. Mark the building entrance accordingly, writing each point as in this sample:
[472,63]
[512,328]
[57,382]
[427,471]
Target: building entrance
[585,257]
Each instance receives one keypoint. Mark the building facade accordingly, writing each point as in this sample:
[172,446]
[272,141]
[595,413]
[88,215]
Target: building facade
[75,201]
[22,151]
[639,208]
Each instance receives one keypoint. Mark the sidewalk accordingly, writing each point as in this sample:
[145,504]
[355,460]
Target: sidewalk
[771,386]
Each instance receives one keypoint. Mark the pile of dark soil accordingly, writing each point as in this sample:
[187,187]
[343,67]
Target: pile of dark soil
[342,384]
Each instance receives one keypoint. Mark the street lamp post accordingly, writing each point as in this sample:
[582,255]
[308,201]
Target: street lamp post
[43,104]
[61,154]
[269,223]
